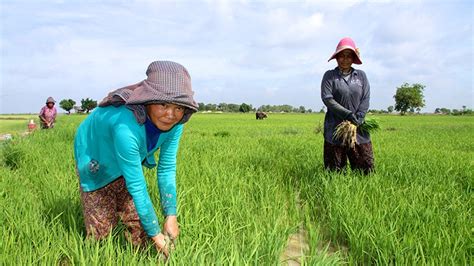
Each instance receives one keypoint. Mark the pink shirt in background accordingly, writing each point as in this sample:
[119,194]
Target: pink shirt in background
[47,113]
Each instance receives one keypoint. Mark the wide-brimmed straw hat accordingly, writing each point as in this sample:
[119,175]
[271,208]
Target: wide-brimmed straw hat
[347,43]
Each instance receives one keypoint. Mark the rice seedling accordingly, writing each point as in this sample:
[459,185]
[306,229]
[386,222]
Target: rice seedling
[346,131]
[12,154]
[370,125]
[237,196]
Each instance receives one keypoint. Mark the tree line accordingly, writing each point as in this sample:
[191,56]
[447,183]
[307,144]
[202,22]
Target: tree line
[245,108]
[86,106]
[446,111]
[408,99]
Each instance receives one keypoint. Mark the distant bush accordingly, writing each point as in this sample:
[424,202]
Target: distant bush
[245,108]
[446,111]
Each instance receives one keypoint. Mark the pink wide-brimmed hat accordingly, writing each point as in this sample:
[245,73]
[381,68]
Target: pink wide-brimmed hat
[347,43]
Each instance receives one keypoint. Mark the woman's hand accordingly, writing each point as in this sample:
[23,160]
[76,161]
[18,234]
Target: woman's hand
[161,244]
[171,227]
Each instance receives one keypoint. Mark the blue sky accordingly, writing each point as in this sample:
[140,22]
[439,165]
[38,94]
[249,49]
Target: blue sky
[257,52]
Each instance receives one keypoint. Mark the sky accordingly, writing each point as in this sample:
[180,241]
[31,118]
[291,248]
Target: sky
[254,52]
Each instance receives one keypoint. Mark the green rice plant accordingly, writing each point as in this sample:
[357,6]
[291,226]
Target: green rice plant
[370,125]
[319,127]
[290,131]
[240,199]
[13,155]
[346,131]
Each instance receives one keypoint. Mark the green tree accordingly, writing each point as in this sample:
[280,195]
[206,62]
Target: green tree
[67,105]
[409,97]
[224,107]
[390,109]
[245,108]
[285,108]
[88,104]
[201,107]
[210,107]
[445,111]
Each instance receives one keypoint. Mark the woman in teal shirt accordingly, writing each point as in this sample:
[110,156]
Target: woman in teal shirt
[120,136]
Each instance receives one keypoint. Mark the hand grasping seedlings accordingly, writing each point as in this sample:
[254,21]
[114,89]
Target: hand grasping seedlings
[347,131]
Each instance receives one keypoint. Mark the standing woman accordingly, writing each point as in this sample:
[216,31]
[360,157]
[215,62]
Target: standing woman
[120,136]
[346,93]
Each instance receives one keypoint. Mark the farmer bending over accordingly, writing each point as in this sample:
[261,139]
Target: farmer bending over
[47,114]
[123,134]
[346,93]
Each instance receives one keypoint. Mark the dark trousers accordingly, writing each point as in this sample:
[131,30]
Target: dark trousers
[361,157]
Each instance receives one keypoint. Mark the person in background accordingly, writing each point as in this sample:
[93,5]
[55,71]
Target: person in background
[346,93]
[47,114]
[122,135]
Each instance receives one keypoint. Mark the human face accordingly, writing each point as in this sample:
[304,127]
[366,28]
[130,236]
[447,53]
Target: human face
[50,105]
[165,115]
[345,58]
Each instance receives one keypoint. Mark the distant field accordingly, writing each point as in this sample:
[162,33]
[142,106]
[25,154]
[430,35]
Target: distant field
[16,123]
[244,186]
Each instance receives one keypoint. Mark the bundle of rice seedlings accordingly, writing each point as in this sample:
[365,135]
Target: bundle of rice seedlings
[370,125]
[347,132]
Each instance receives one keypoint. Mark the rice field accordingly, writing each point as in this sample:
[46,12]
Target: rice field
[13,124]
[244,186]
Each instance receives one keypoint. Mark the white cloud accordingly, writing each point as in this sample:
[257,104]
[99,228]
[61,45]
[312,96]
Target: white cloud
[269,52]
[285,27]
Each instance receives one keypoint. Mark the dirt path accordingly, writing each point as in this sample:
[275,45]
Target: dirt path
[297,244]
[296,248]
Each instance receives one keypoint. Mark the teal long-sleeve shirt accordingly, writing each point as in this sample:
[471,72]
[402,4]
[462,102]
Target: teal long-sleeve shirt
[110,143]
